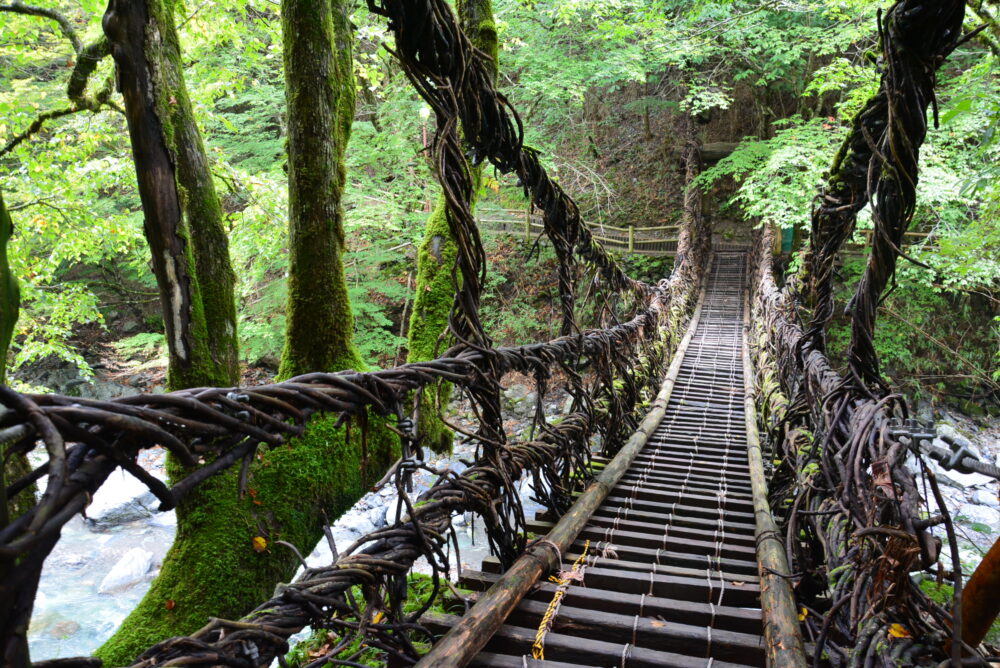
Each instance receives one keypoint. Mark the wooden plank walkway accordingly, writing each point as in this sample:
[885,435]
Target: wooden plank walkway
[670,576]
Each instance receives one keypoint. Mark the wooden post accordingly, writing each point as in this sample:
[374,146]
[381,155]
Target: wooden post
[631,239]
[527,225]
[980,603]
[474,630]
[781,621]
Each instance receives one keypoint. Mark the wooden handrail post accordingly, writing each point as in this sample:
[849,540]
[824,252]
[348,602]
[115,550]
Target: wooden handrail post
[631,238]
[527,225]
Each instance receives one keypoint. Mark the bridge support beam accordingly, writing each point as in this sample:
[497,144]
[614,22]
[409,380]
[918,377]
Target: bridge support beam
[777,601]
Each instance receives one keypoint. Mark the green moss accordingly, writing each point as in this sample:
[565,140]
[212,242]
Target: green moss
[320,92]
[10,302]
[429,321]
[213,358]
[206,573]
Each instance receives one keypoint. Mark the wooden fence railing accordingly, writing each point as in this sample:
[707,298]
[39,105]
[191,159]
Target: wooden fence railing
[909,239]
[659,240]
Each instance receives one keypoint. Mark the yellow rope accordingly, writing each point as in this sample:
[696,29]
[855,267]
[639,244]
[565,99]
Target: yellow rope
[538,649]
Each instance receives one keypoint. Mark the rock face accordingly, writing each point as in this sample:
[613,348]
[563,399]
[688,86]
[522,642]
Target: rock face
[131,569]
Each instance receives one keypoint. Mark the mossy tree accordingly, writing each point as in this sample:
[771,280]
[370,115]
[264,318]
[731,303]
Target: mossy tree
[182,213]
[190,256]
[436,258]
[218,565]
[319,91]
[12,467]
[10,299]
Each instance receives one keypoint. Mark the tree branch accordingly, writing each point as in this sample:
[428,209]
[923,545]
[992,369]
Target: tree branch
[37,125]
[992,38]
[68,31]
[86,62]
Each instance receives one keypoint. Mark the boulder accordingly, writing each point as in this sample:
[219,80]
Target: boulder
[972,513]
[955,479]
[165,520]
[130,570]
[358,523]
[122,498]
[520,400]
[948,431]
[64,629]
[985,497]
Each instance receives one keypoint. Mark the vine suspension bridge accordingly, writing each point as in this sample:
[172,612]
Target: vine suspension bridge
[711,393]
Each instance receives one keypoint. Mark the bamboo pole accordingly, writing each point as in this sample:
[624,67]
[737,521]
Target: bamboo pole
[781,621]
[461,644]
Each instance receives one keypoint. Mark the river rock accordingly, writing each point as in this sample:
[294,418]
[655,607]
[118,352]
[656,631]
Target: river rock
[377,517]
[390,513]
[948,431]
[130,570]
[519,399]
[63,629]
[165,520]
[985,497]
[356,523]
[516,392]
[955,479]
[980,515]
[122,498]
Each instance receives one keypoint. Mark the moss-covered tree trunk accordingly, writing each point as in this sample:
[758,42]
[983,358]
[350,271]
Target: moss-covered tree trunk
[320,97]
[11,468]
[10,299]
[319,90]
[202,574]
[436,258]
[183,217]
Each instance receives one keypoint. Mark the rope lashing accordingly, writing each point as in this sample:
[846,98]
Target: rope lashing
[564,580]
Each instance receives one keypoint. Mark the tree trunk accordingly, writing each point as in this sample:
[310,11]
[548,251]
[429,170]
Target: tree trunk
[319,89]
[436,260]
[183,217]
[204,572]
[13,468]
[10,299]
